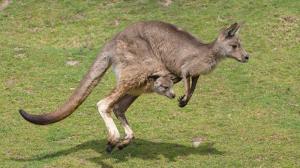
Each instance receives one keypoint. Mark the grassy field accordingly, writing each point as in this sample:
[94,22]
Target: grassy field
[249,114]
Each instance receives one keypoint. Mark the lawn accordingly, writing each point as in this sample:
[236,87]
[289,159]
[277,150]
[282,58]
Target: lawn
[249,114]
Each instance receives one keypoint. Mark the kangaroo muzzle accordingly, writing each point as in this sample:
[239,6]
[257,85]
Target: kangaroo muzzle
[171,94]
[245,58]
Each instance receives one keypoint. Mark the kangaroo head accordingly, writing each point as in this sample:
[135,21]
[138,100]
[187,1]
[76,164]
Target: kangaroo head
[163,85]
[228,44]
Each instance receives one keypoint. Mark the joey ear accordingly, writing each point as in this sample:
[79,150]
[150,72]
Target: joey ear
[231,31]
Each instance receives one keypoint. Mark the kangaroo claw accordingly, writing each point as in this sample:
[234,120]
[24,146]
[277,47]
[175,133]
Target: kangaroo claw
[110,147]
[121,145]
[182,101]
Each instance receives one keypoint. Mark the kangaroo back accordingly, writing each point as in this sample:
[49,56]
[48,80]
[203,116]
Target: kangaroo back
[85,87]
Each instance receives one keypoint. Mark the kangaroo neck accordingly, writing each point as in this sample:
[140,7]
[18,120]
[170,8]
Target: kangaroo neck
[213,51]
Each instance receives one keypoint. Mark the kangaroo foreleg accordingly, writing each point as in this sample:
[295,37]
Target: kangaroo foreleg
[194,84]
[119,110]
[183,99]
[189,90]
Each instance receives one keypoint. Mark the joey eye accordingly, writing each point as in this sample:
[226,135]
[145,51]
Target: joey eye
[165,87]
[234,46]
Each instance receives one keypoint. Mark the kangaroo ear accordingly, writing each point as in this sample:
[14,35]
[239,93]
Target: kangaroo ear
[232,30]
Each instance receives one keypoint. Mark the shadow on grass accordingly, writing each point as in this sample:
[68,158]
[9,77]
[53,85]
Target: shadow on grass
[142,149]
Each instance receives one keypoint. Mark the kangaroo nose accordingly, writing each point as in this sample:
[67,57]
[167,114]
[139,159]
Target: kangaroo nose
[173,96]
[247,57]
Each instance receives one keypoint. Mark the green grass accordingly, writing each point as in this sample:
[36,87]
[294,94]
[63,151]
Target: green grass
[249,113]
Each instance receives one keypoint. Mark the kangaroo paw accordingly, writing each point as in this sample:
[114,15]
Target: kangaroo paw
[182,101]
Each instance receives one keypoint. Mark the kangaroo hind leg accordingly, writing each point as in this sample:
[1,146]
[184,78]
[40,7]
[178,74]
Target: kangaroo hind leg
[119,110]
[104,107]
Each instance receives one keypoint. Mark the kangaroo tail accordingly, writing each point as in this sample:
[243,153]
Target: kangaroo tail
[89,81]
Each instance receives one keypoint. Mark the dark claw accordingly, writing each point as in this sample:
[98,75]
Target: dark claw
[181,101]
[120,147]
[109,147]
[182,104]
[124,143]
[180,98]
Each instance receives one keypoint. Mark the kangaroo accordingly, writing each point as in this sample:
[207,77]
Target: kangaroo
[142,44]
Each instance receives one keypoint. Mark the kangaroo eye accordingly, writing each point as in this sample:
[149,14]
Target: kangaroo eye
[234,46]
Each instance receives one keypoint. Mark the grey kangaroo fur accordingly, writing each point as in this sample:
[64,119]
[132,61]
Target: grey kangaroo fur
[163,46]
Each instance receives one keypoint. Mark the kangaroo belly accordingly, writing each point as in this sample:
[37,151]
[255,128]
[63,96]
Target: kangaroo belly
[135,92]
[146,88]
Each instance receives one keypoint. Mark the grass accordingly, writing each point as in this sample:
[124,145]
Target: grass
[249,113]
